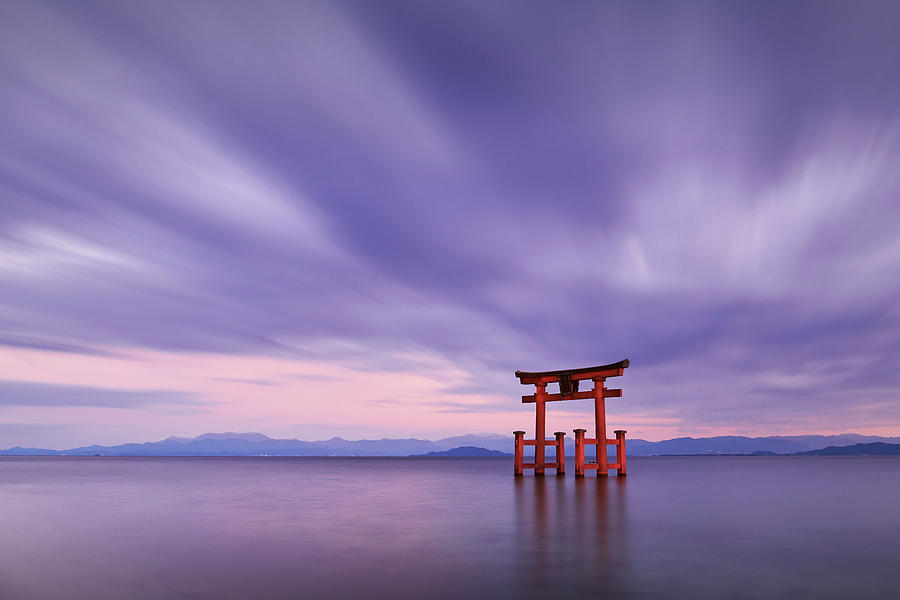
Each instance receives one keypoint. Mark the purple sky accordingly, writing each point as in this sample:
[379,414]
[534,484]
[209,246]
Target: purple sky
[358,219]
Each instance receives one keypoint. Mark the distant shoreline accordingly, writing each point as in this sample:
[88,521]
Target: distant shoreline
[470,445]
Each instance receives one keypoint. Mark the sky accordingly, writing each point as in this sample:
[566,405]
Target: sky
[358,219]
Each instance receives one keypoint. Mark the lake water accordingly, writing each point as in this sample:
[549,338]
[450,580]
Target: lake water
[692,527]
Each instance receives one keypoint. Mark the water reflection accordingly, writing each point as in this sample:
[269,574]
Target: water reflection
[571,535]
[700,528]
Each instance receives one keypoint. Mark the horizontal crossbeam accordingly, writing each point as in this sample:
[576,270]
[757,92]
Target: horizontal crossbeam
[607,393]
[593,442]
[549,465]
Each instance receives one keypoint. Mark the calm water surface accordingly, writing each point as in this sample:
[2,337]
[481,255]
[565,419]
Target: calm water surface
[737,527]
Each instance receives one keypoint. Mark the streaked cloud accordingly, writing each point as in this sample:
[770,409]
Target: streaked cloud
[408,191]
[29,393]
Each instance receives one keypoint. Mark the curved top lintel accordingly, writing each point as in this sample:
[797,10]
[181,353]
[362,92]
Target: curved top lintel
[529,376]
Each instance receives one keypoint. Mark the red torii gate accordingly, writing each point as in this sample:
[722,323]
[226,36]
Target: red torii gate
[568,390]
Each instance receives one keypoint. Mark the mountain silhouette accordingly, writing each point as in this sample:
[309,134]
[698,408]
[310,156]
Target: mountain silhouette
[258,444]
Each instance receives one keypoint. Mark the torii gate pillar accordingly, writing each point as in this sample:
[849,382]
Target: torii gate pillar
[600,424]
[539,428]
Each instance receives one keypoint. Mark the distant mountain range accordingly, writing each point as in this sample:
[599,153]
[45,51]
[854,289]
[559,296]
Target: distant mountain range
[257,444]
[730,444]
[467,452]
[873,449]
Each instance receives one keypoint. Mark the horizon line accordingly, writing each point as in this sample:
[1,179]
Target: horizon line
[185,438]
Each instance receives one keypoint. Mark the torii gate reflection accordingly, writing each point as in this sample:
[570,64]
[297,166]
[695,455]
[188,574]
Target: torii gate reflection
[568,390]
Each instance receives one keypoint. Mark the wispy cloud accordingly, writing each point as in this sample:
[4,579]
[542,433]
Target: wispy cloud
[461,190]
[261,382]
[28,393]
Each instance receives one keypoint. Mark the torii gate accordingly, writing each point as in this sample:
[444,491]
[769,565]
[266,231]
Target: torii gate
[568,390]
